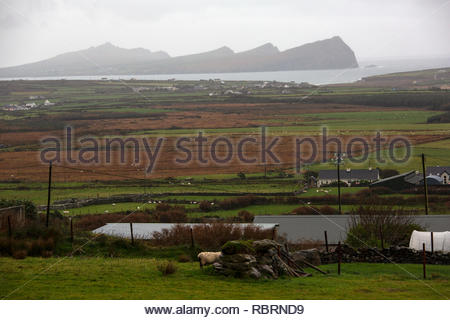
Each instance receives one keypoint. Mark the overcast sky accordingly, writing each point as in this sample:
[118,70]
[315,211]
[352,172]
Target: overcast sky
[31,30]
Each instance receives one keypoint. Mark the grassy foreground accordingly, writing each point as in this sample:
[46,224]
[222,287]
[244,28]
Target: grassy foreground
[126,278]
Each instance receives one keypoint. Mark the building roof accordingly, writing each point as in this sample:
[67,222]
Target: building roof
[414,177]
[406,177]
[146,230]
[434,180]
[437,171]
[353,174]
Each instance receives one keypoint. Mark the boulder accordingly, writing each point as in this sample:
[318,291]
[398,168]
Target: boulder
[265,245]
[253,273]
[312,256]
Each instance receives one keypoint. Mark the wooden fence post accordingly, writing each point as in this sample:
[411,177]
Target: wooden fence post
[9,227]
[424,261]
[381,238]
[131,231]
[339,249]
[71,230]
[192,238]
[432,242]
[274,233]
[326,240]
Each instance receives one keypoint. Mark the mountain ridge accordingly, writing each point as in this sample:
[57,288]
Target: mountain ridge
[108,59]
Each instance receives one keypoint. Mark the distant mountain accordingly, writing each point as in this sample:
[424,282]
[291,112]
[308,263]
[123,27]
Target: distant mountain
[108,59]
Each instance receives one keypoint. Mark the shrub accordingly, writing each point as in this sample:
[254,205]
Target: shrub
[236,246]
[161,207]
[367,224]
[209,236]
[240,202]
[184,258]
[166,267]
[305,210]
[205,206]
[381,190]
[245,216]
[19,254]
[327,210]
[47,254]
[5,247]
[175,214]
[40,245]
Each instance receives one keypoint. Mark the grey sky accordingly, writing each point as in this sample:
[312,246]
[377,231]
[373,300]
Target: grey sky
[32,30]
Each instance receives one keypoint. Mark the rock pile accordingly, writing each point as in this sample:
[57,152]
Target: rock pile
[265,259]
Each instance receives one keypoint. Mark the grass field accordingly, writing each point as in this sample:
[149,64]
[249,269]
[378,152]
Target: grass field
[125,278]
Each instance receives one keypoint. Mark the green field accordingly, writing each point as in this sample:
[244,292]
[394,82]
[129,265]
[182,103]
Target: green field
[125,278]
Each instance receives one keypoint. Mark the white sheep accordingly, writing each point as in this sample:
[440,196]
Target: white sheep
[208,258]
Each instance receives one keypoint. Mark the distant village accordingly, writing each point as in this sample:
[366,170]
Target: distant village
[218,87]
[435,176]
[28,105]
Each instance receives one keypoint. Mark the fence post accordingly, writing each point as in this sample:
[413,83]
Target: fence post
[424,261]
[381,238]
[131,231]
[9,227]
[71,230]
[326,240]
[339,257]
[192,238]
[432,242]
[286,247]
[49,193]
[274,231]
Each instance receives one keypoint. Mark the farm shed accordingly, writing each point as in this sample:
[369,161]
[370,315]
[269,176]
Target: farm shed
[16,214]
[441,241]
[408,180]
[312,227]
[399,182]
[145,230]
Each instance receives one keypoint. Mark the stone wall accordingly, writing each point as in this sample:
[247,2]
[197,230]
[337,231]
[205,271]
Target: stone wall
[392,254]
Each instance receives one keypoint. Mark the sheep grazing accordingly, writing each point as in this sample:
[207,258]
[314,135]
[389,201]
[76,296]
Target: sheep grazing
[206,258]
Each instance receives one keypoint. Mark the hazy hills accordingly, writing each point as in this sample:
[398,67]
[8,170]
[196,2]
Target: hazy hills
[108,59]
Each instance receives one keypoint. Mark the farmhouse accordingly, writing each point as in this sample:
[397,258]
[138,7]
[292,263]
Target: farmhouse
[408,180]
[47,103]
[442,172]
[348,176]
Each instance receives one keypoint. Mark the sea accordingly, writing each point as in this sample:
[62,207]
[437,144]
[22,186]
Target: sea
[366,68]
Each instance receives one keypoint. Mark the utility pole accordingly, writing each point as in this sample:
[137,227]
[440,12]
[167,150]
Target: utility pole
[49,192]
[425,187]
[339,181]
[145,191]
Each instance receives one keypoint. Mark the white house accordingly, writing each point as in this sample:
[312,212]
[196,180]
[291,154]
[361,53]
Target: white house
[442,172]
[47,103]
[348,176]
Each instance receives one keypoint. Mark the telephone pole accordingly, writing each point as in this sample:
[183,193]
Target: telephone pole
[425,186]
[48,193]
[339,181]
